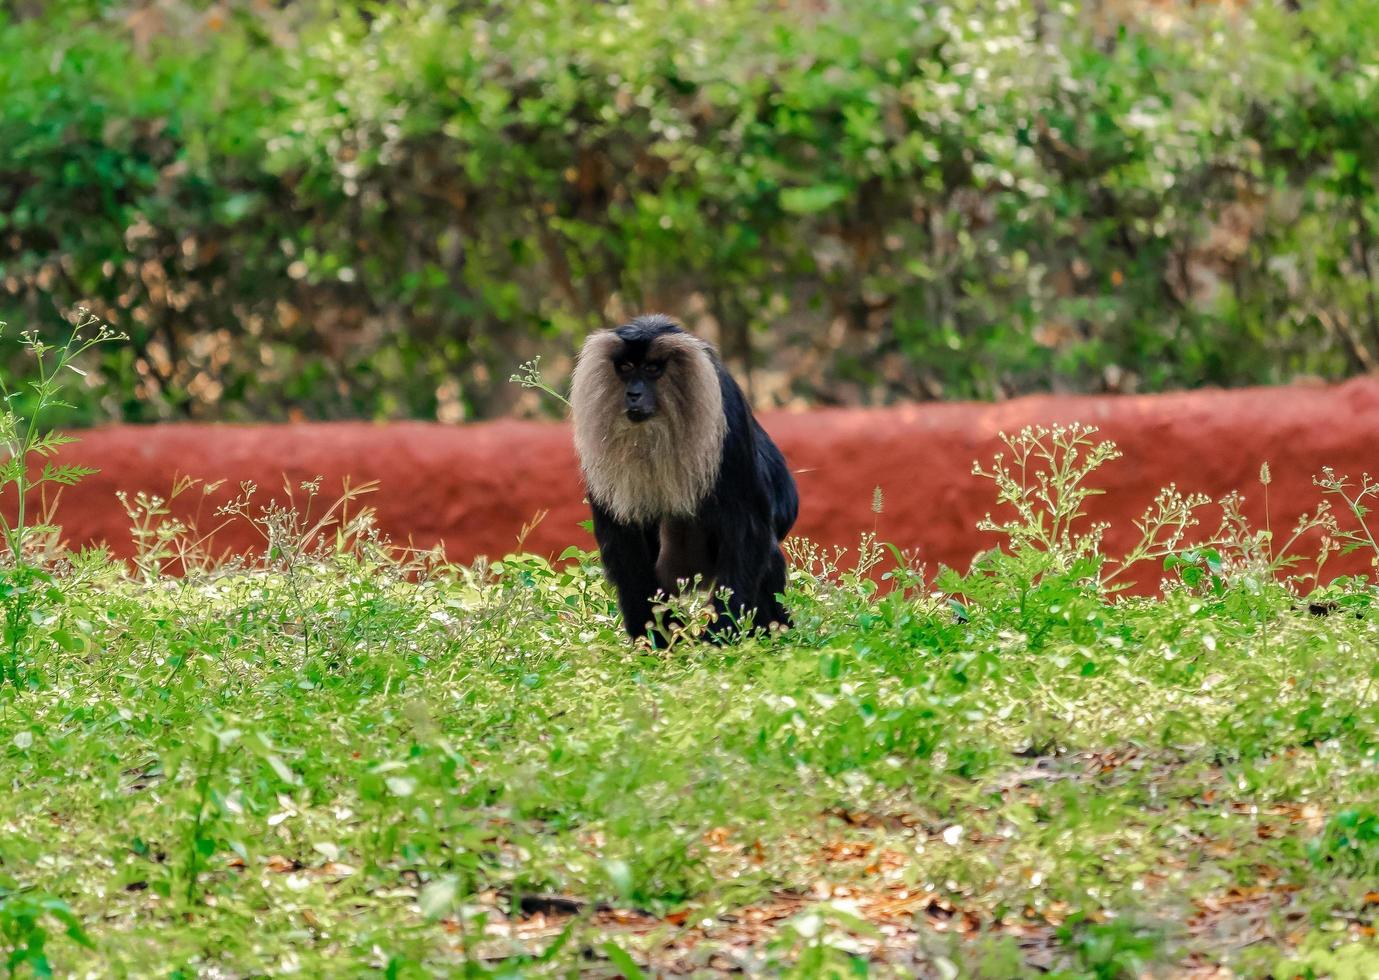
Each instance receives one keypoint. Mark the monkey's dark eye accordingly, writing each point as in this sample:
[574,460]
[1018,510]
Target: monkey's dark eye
[623,367]
[654,369]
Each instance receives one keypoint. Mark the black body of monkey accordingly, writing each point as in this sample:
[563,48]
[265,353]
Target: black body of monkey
[733,538]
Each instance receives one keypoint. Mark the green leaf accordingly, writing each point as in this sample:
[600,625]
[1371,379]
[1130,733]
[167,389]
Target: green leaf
[68,475]
[812,200]
[438,897]
[559,943]
[284,771]
[59,910]
[623,961]
[48,444]
[620,875]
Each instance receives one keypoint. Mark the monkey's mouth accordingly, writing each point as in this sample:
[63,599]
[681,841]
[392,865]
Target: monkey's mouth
[638,415]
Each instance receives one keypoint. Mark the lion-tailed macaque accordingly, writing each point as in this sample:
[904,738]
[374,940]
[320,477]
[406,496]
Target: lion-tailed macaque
[682,479]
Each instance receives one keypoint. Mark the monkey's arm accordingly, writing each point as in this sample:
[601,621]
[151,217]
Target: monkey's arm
[629,560]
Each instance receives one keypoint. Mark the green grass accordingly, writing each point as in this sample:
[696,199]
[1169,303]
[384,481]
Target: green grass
[343,763]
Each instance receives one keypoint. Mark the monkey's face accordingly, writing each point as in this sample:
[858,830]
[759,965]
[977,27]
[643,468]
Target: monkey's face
[639,376]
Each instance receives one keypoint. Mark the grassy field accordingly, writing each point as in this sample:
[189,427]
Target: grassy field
[336,761]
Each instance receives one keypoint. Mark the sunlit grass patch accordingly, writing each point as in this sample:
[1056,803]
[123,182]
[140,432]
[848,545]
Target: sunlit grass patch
[332,757]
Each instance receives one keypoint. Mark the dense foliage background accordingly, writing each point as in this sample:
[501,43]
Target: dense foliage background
[346,209]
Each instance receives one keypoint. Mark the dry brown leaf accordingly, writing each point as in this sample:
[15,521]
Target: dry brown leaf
[280,865]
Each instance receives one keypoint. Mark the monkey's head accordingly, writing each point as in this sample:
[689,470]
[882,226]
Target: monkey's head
[650,363]
[648,414]
[640,370]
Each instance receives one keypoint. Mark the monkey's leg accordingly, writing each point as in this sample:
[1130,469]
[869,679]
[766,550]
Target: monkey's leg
[629,561]
[744,554]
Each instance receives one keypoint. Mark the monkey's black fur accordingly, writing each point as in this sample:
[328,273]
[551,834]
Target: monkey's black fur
[733,538]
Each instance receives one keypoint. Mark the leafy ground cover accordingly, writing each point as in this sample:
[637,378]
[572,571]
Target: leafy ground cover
[343,763]
[335,758]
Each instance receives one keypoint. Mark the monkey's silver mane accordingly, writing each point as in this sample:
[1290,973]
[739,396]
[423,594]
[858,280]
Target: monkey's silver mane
[665,466]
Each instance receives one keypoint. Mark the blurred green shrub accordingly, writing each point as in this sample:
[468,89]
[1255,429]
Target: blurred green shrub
[346,209]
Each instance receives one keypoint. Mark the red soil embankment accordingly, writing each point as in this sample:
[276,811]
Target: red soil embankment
[474,486]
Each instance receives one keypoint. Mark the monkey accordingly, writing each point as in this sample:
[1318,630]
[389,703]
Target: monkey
[681,478]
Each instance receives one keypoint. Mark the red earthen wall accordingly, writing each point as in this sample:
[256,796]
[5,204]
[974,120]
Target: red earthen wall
[474,486]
